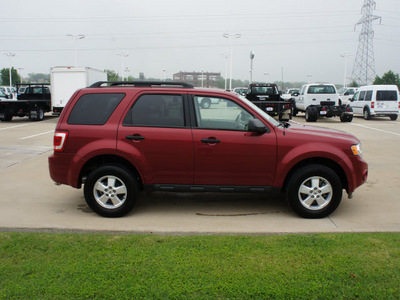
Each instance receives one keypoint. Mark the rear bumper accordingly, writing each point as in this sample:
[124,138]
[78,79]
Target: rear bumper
[384,113]
[64,168]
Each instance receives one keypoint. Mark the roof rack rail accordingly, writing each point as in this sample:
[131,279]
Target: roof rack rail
[141,84]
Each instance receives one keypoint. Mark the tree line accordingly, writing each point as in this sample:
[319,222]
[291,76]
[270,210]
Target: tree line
[388,78]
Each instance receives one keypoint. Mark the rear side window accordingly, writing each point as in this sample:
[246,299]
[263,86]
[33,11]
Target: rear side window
[368,96]
[156,111]
[362,96]
[386,96]
[321,89]
[94,109]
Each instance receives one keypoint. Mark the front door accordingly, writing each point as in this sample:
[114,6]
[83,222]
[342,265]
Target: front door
[225,153]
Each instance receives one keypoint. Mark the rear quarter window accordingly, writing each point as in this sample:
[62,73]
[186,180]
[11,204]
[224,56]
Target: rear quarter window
[94,109]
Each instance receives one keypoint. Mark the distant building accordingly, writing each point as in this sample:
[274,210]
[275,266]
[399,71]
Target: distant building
[198,79]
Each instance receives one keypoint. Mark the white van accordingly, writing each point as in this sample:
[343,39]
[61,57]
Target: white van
[376,100]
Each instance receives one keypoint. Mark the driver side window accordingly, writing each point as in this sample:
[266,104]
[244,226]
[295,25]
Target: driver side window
[220,113]
[355,98]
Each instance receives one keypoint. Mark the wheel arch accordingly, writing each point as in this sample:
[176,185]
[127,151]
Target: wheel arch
[318,160]
[101,160]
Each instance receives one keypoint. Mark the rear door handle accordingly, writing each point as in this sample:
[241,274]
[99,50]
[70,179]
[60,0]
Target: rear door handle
[210,141]
[135,137]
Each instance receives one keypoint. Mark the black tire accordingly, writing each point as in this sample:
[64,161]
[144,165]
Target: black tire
[314,191]
[111,191]
[367,114]
[346,118]
[7,117]
[205,103]
[39,115]
[393,117]
[295,112]
[311,114]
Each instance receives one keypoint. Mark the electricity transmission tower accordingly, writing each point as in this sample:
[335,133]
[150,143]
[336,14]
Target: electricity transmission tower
[364,65]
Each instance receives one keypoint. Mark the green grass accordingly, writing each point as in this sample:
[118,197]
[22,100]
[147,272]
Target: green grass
[319,266]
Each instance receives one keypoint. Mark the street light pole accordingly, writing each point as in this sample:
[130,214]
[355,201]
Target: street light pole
[231,37]
[251,65]
[122,54]
[76,37]
[10,55]
[226,56]
[345,55]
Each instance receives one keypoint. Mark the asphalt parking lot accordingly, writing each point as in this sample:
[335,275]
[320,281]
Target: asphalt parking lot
[31,202]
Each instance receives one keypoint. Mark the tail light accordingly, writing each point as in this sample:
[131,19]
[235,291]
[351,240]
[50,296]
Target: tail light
[372,104]
[60,138]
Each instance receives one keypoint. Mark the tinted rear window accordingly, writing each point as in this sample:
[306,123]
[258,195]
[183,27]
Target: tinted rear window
[386,96]
[321,89]
[94,109]
[156,111]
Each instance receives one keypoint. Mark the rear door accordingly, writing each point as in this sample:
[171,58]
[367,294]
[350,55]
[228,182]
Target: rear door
[225,153]
[386,101]
[156,138]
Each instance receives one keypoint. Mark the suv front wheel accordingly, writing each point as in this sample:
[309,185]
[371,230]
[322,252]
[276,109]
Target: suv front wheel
[314,191]
[111,191]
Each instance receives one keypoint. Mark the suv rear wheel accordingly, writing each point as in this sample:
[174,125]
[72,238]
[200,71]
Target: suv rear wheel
[314,191]
[111,191]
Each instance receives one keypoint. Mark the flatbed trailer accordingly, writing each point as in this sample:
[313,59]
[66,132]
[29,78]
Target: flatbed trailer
[34,103]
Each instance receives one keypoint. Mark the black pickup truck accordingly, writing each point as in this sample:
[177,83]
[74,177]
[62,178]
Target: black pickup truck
[33,102]
[267,97]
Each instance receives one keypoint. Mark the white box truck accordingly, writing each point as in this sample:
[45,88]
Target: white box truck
[66,80]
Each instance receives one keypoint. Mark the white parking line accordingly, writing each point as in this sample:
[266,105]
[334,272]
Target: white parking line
[11,127]
[35,135]
[25,124]
[385,131]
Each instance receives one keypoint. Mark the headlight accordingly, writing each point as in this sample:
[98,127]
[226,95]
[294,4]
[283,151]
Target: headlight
[357,149]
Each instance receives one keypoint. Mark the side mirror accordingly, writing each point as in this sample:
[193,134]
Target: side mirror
[255,125]
[351,99]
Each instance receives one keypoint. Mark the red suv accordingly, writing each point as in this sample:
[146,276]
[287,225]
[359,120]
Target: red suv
[124,137]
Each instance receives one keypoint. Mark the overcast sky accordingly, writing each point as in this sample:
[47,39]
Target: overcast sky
[304,38]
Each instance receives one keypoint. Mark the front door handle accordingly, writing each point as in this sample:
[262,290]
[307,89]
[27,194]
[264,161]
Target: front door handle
[135,137]
[210,141]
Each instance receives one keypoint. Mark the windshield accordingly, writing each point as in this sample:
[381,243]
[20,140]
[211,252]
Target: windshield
[260,111]
[341,90]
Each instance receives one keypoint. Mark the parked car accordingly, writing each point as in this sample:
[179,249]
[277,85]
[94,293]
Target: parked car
[376,100]
[345,93]
[205,102]
[290,94]
[3,96]
[240,90]
[8,91]
[118,139]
